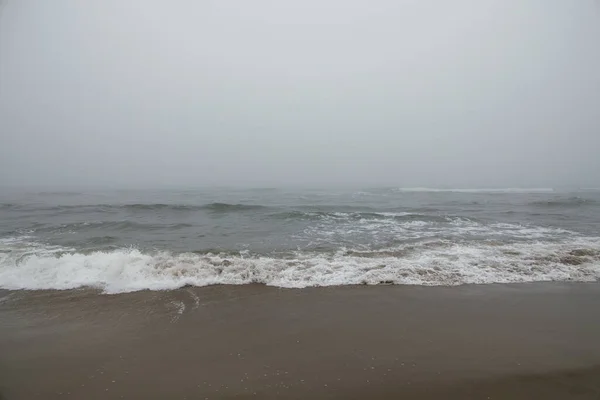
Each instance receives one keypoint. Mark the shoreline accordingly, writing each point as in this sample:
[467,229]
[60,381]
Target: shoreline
[383,342]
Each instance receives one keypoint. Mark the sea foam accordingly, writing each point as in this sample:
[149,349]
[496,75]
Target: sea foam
[477,190]
[435,262]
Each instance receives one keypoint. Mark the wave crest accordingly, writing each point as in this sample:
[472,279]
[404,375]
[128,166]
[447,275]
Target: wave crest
[426,263]
[490,190]
[226,207]
[565,202]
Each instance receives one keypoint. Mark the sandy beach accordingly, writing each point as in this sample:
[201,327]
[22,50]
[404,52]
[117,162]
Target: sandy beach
[205,200]
[385,342]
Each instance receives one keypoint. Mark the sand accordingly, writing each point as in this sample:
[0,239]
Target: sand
[357,342]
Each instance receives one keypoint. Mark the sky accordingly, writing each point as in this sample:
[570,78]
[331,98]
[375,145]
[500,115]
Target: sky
[146,93]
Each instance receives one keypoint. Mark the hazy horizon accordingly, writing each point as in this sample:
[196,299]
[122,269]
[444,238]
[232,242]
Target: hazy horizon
[80,188]
[462,94]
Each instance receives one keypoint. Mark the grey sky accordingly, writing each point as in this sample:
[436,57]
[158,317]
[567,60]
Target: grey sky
[266,92]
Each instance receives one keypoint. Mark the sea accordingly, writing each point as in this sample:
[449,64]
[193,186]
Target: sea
[130,240]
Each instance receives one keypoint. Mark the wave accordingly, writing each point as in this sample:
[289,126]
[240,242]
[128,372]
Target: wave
[59,193]
[427,263]
[117,226]
[565,202]
[226,207]
[350,215]
[289,212]
[341,230]
[492,190]
[327,226]
[219,207]
[157,206]
[216,207]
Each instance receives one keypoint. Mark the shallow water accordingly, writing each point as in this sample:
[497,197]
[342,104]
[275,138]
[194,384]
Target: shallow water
[162,239]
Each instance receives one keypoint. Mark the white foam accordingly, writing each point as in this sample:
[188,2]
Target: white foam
[382,230]
[179,310]
[15,240]
[427,263]
[394,214]
[489,190]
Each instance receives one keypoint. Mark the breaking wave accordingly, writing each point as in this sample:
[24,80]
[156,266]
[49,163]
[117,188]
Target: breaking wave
[565,202]
[436,262]
[84,208]
[490,190]
[225,207]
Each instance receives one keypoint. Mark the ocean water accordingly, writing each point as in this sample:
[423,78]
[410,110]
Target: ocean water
[128,240]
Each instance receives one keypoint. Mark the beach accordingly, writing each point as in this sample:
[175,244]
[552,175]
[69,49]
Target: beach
[382,342]
[299,200]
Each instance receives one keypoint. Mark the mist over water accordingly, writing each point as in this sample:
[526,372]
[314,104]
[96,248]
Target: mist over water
[472,94]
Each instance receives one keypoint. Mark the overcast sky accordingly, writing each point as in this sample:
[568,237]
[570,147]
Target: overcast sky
[450,93]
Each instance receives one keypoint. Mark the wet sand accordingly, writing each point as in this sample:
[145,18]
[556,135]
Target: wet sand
[385,342]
